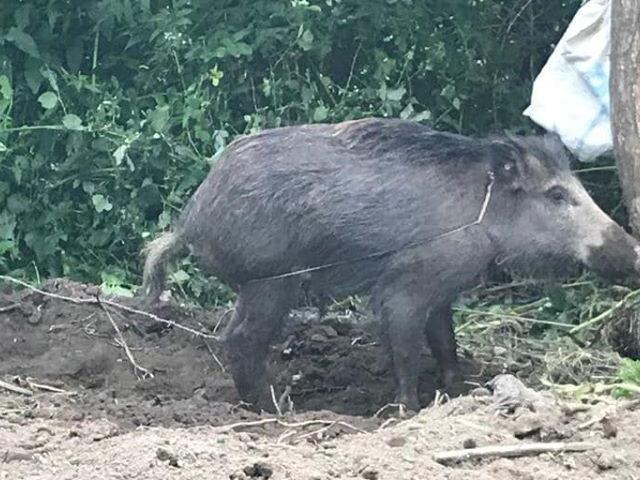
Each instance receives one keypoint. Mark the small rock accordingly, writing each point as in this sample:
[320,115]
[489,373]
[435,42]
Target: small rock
[77,416]
[527,425]
[92,290]
[469,443]
[480,392]
[609,428]
[237,476]
[165,455]
[16,456]
[396,441]
[258,470]
[317,338]
[328,331]
[369,473]
[36,316]
[607,460]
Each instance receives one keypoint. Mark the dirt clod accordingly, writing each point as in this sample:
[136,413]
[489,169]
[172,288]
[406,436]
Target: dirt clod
[370,474]
[609,428]
[396,441]
[258,470]
[165,455]
[469,443]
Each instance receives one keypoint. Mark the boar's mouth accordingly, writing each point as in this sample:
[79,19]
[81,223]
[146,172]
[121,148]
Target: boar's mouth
[617,257]
[545,266]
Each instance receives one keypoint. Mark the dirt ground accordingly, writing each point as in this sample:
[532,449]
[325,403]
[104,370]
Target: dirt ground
[73,406]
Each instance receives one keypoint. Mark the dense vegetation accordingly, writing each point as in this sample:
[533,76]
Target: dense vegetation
[111,111]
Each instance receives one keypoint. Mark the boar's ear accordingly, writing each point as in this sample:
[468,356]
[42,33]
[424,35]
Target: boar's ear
[507,162]
[557,149]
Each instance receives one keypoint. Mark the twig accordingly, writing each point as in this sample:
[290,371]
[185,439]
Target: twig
[48,388]
[15,388]
[512,317]
[94,301]
[388,422]
[351,69]
[316,432]
[610,411]
[518,450]
[215,358]
[222,317]
[275,402]
[277,421]
[285,399]
[606,313]
[8,308]
[94,62]
[120,340]
[515,18]
[400,406]
[440,398]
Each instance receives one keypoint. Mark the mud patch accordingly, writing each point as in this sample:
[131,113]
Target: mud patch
[335,364]
[91,414]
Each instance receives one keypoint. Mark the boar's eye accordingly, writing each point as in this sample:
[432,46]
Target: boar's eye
[557,194]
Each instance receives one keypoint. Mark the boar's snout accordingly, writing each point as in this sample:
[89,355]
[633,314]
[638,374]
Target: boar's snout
[617,257]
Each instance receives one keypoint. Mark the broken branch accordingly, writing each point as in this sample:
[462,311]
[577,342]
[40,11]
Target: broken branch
[276,421]
[518,450]
[95,301]
[121,341]
[15,388]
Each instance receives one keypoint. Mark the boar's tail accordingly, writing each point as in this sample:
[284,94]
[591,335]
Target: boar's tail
[160,252]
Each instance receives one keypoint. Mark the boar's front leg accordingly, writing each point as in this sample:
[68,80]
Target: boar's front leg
[402,312]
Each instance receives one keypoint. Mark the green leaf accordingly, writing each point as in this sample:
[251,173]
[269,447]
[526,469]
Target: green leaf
[320,113]
[119,152]
[180,276]
[100,203]
[3,147]
[48,100]
[159,118]
[114,285]
[72,122]
[306,40]
[18,203]
[406,112]
[396,94]
[23,41]
[422,116]
[5,87]
[7,225]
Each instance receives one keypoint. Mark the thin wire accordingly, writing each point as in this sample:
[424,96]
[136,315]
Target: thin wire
[481,215]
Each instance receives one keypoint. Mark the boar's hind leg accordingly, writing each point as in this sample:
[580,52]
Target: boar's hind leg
[259,313]
[403,316]
[442,342]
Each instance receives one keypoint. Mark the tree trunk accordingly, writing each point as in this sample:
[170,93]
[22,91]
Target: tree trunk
[625,98]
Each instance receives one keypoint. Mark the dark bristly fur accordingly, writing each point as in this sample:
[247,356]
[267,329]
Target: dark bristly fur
[305,196]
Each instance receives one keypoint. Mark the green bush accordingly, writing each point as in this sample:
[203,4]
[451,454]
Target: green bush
[111,111]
